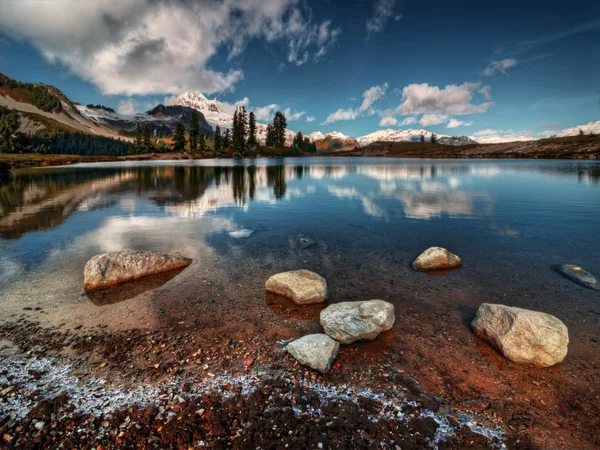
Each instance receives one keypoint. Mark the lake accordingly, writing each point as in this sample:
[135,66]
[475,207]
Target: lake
[512,222]
[359,223]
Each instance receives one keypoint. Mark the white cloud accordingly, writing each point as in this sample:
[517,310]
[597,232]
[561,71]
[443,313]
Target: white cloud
[243,102]
[372,96]
[293,116]
[499,66]
[408,121]
[486,91]
[310,119]
[130,106]
[140,47]
[265,112]
[383,11]
[490,136]
[341,114]
[454,123]
[450,100]
[432,119]
[388,121]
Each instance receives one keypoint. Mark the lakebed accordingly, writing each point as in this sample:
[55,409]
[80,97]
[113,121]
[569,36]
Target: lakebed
[198,358]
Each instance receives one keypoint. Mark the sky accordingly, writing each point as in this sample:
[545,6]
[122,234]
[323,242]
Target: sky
[490,70]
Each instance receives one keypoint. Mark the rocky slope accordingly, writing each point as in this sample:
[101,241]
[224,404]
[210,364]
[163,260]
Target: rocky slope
[411,135]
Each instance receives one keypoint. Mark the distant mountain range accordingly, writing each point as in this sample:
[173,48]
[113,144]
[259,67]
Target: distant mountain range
[43,109]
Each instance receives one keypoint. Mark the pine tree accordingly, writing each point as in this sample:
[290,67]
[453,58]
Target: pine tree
[270,142]
[147,139]
[433,138]
[252,130]
[279,126]
[218,139]
[179,138]
[243,124]
[298,141]
[235,129]
[422,138]
[194,130]
[226,139]
[581,132]
[201,143]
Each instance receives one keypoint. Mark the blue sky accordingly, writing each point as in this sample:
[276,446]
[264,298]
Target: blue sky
[355,66]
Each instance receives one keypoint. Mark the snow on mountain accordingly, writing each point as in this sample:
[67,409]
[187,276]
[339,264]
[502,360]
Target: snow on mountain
[315,136]
[409,135]
[590,128]
[217,113]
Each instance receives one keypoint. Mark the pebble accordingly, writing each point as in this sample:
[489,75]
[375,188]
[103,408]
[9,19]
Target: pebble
[39,425]
[8,390]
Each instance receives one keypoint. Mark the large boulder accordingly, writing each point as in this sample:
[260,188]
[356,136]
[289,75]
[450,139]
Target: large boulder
[113,268]
[303,287]
[317,351]
[437,258]
[521,335]
[347,322]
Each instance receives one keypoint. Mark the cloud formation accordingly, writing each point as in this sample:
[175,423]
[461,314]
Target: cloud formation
[499,67]
[388,121]
[140,47]
[341,114]
[408,121]
[452,100]
[432,119]
[383,11]
[454,123]
[372,96]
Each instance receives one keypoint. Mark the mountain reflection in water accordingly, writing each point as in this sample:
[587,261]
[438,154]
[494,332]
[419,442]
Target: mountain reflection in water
[42,199]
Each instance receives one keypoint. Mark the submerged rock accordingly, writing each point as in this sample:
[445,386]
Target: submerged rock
[521,335]
[113,268]
[437,258]
[317,351]
[302,286]
[579,275]
[241,234]
[306,242]
[347,322]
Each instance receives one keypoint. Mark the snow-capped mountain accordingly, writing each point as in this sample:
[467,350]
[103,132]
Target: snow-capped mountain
[409,135]
[162,120]
[590,128]
[217,113]
[317,136]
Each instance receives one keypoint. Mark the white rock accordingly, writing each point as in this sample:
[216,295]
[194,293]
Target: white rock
[113,268]
[241,234]
[317,351]
[521,335]
[437,258]
[303,287]
[347,322]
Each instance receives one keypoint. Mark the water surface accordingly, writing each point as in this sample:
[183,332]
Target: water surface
[512,222]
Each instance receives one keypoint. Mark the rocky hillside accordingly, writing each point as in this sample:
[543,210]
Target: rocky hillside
[333,142]
[411,135]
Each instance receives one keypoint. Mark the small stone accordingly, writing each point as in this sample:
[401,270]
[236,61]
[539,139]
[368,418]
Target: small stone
[437,258]
[317,351]
[347,322]
[241,234]
[303,287]
[39,425]
[6,391]
[580,276]
[249,362]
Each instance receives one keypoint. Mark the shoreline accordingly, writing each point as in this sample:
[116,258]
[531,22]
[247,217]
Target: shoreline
[571,148]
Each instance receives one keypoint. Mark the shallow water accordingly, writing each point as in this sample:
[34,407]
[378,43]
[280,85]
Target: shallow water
[512,222]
